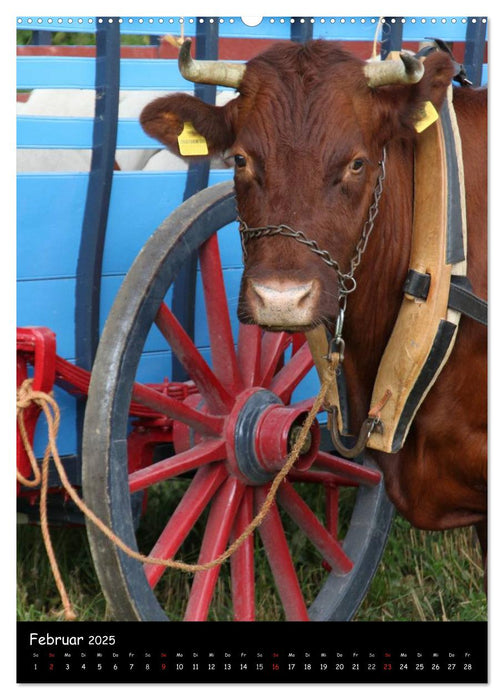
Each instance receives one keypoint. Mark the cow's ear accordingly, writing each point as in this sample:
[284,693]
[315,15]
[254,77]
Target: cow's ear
[439,72]
[165,117]
[401,106]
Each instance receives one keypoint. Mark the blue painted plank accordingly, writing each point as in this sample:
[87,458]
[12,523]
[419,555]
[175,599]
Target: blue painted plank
[50,211]
[55,72]
[49,303]
[79,73]
[139,203]
[54,132]
[131,135]
[50,208]
[154,367]
[230,246]
[110,285]
[152,74]
[76,132]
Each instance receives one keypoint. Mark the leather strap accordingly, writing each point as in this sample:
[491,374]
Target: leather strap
[417,284]
[464,300]
[461,297]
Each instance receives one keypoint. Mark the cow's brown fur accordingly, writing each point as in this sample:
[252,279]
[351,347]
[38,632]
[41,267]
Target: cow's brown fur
[304,113]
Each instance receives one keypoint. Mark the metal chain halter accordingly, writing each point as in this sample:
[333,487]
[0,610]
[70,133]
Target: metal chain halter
[347,283]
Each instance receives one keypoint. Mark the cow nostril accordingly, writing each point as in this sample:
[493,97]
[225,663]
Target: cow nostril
[304,295]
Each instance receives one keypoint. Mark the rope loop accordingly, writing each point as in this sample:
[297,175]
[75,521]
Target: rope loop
[26,396]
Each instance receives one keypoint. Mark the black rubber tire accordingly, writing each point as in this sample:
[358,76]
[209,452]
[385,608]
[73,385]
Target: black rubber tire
[105,479]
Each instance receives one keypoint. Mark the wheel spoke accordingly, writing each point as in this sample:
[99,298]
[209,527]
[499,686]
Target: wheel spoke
[273,347]
[224,360]
[277,551]
[249,353]
[205,483]
[242,563]
[217,534]
[284,383]
[168,406]
[332,509]
[216,396]
[204,453]
[307,521]
[345,468]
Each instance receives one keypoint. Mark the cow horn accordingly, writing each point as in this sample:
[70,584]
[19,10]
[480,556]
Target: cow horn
[209,72]
[406,71]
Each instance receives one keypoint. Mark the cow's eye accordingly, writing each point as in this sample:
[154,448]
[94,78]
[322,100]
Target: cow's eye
[240,161]
[357,165]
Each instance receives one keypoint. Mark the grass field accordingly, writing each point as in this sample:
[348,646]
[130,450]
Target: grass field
[429,576]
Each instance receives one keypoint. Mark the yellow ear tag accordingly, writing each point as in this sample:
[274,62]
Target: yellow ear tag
[191,143]
[428,116]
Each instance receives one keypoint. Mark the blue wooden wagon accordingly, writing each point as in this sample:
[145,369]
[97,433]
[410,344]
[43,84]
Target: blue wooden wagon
[143,350]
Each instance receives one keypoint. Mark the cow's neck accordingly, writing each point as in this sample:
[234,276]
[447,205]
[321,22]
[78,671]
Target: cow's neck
[373,307]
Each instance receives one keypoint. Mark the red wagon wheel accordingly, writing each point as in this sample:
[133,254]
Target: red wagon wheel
[228,437]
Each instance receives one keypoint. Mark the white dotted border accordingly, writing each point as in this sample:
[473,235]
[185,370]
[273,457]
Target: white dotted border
[82,21]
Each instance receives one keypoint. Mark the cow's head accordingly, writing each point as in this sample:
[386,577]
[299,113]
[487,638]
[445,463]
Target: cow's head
[306,134]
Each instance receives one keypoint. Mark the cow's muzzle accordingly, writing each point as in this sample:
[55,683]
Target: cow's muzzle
[286,305]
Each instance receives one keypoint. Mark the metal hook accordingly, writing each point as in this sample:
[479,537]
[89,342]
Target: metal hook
[366,429]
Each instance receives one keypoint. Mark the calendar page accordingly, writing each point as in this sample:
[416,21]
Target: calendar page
[251,349]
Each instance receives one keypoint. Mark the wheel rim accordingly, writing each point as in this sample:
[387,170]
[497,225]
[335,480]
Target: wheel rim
[231,435]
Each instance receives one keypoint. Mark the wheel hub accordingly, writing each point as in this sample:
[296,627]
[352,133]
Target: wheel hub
[261,433]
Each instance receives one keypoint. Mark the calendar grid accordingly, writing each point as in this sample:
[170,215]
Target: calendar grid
[262,652]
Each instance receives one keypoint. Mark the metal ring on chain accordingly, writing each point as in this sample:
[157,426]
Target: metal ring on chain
[346,280]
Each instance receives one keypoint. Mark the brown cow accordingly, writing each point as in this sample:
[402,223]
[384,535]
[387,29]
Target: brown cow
[307,132]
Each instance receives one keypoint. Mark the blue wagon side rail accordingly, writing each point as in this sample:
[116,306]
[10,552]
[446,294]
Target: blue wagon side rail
[186,399]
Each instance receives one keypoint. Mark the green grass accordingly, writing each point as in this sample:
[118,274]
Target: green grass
[427,576]
[422,576]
